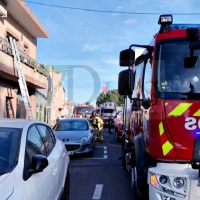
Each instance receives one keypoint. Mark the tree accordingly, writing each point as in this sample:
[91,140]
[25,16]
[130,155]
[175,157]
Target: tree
[110,96]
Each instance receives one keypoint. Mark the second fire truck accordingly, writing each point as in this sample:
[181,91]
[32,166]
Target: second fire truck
[161,136]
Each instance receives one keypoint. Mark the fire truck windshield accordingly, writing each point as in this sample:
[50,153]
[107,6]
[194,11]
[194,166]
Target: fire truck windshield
[172,78]
[85,110]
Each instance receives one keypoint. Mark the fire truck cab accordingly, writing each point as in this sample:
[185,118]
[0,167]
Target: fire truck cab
[83,110]
[161,136]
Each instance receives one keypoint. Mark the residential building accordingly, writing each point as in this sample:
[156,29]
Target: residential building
[18,22]
[50,101]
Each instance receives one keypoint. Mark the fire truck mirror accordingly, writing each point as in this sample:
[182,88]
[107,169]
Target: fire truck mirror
[190,62]
[135,107]
[126,80]
[126,58]
[146,103]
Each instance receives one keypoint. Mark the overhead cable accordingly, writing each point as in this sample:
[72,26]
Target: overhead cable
[106,11]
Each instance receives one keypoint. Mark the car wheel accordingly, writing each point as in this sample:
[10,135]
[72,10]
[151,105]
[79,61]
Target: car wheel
[66,191]
[116,135]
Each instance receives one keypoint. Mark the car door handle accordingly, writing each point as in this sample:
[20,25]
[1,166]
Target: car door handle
[54,172]
[63,155]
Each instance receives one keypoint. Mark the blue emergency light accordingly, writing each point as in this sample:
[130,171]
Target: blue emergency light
[197,132]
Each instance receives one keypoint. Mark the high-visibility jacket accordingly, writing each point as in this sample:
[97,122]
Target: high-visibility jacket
[97,121]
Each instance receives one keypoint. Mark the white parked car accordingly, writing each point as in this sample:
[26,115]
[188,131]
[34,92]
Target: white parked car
[34,164]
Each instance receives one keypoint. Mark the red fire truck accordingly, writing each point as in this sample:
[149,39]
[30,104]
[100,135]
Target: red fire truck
[161,136]
[83,109]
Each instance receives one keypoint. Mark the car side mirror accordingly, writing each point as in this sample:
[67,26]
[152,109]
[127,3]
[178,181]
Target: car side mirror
[39,163]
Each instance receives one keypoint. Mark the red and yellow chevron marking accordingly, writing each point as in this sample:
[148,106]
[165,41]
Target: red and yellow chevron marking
[166,145]
[180,109]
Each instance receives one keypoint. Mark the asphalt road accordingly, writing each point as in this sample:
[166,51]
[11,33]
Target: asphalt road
[101,176]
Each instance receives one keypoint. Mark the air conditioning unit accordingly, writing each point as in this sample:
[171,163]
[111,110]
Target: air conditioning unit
[3,11]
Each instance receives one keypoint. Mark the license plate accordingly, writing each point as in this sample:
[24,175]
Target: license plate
[70,152]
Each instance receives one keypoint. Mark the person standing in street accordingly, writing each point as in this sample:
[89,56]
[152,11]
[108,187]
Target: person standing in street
[97,122]
[110,123]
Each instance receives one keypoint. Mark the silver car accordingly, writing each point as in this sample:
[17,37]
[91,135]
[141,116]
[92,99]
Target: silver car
[77,135]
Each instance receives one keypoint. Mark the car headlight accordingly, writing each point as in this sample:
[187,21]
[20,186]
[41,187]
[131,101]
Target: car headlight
[84,140]
[178,182]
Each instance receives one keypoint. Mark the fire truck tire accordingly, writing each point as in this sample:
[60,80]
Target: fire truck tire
[140,154]
[134,185]
[125,151]
[132,173]
[123,142]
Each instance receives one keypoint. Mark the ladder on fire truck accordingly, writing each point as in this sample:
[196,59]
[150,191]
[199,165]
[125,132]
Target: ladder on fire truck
[21,78]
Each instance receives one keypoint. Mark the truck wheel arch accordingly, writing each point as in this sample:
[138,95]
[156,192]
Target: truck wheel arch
[140,153]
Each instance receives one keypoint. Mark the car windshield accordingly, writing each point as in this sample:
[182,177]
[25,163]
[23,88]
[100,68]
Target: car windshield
[72,125]
[85,110]
[173,79]
[9,151]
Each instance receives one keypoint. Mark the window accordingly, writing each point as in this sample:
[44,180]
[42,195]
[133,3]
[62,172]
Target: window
[85,110]
[9,151]
[34,143]
[72,125]
[11,35]
[47,138]
[34,146]
[147,80]
[136,93]
[174,80]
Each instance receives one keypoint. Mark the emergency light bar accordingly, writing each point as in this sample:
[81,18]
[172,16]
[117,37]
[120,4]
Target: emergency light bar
[165,19]
[184,26]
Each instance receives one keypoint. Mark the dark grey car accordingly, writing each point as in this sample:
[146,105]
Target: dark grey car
[77,135]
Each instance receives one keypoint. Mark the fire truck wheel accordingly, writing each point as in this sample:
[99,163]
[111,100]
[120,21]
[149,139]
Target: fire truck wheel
[125,151]
[123,142]
[132,171]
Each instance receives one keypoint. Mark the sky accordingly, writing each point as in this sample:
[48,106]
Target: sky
[85,45]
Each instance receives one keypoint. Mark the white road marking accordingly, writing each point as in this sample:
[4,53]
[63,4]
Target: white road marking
[100,147]
[105,156]
[97,191]
[94,158]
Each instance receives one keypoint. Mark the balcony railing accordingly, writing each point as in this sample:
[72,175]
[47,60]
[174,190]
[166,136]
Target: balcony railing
[24,58]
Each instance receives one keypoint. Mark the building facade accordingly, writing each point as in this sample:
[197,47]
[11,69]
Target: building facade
[50,101]
[18,22]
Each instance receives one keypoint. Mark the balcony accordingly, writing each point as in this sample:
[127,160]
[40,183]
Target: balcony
[35,73]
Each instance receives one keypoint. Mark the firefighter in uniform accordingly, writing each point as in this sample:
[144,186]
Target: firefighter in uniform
[110,123]
[97,122]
